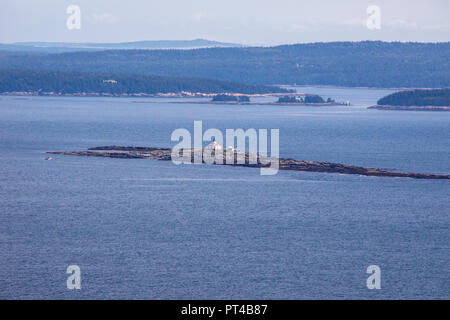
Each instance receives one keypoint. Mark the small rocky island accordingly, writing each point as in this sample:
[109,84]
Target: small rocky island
[164,154]
[230,98]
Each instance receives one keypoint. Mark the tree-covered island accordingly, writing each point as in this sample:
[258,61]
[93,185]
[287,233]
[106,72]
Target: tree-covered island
[419,99]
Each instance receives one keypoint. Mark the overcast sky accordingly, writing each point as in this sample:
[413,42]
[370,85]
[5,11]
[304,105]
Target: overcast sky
[253,22]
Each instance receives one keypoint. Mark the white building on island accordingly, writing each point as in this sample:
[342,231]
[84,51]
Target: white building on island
[214,145]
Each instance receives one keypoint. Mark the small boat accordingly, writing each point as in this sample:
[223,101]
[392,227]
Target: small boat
[48,158]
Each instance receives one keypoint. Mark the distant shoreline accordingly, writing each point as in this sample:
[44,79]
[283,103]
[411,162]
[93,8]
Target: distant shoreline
[180,95]
[183,94]
[136,95]
[411,108]
[345,87]
[325,104]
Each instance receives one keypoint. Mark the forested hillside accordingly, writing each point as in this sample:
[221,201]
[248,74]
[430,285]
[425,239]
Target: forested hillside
[368,63]
[116,84]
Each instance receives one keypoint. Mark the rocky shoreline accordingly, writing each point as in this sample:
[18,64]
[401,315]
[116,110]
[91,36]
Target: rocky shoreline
[164,154]
[254,103]
[411,108]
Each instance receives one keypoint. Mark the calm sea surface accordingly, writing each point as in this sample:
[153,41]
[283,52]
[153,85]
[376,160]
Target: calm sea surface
[150,229]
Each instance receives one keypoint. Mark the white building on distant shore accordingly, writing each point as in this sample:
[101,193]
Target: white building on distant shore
[110,81]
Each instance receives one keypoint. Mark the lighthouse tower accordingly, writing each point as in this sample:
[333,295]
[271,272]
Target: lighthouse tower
[214,145]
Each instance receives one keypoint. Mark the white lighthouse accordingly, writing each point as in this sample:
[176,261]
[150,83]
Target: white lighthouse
[214,145]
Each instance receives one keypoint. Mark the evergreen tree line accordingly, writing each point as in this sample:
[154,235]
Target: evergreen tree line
[418,97]
[116,84]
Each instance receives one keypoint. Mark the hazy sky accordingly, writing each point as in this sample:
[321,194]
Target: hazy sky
[254,22]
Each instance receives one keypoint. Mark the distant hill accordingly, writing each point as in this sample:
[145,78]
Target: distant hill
[55,82]
[58,47]
[363,64]
[437,97]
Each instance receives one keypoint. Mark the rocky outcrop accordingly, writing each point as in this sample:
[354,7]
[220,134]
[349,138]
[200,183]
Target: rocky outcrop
[165,154]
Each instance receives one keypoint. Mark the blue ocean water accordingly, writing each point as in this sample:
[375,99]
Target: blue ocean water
[145,229]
